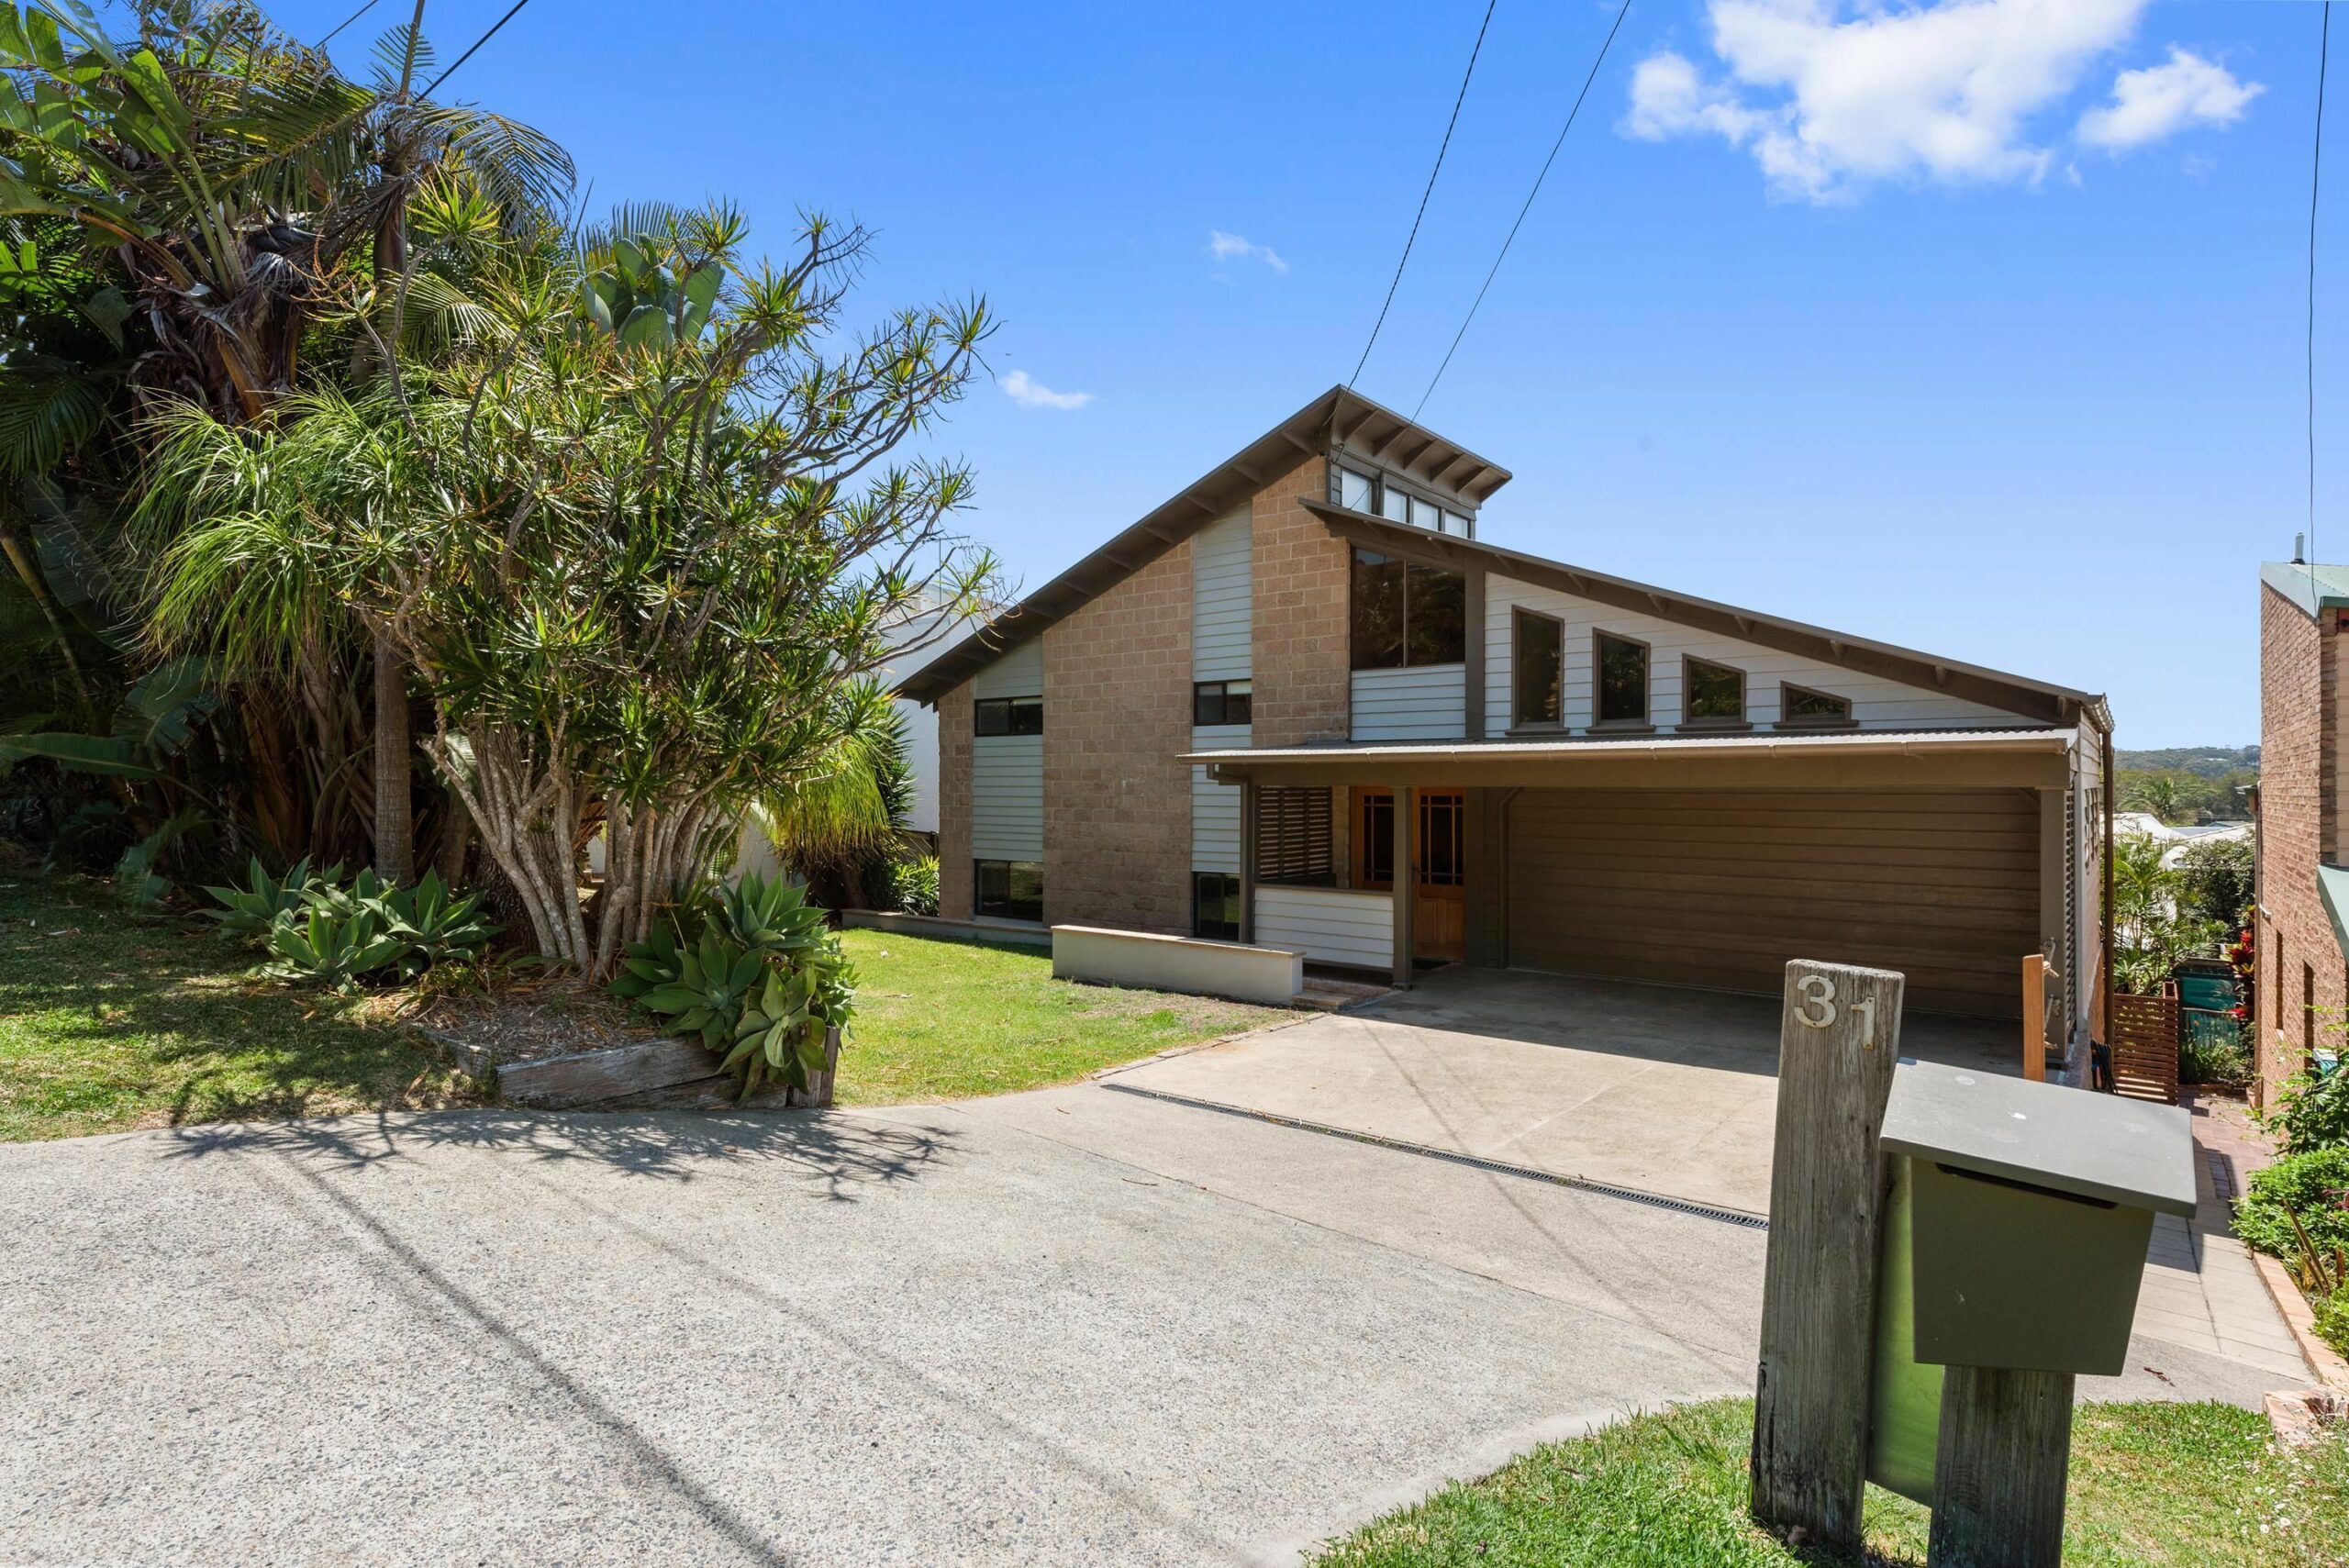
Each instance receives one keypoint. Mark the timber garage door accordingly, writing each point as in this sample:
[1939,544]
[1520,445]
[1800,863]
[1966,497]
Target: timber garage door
[1722,887]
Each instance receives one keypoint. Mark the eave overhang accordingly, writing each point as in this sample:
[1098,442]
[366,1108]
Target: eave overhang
[1341,419]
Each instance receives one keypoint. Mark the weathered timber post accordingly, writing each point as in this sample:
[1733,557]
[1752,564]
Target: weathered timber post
[1838,1036]
[819,1092]
[1999,1468]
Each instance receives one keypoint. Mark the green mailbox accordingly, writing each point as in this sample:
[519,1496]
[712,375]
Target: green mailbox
[2029,1206]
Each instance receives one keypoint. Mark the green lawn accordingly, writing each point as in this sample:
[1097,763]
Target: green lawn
[108,1023]
[2153,1485]
[944,1020]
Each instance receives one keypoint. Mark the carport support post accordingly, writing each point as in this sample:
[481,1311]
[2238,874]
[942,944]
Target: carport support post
[1407,878]
[1838,1037]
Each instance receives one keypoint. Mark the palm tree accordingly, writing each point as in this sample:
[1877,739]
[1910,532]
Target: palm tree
[2158,793]
[850,810]
[197,194]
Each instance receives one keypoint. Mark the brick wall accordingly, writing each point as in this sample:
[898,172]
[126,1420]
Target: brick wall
[1116,718]
[2298,686]
[954,891]
[1303,684]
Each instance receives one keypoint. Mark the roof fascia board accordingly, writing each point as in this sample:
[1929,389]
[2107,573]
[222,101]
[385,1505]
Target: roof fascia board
[2014,694]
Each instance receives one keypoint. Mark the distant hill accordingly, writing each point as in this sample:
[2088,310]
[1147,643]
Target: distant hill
[2203,761]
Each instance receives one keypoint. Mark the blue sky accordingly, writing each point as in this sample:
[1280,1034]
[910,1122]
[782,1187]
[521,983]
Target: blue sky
[1974,326]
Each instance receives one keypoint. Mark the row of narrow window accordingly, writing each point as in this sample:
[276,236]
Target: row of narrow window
[1710,693]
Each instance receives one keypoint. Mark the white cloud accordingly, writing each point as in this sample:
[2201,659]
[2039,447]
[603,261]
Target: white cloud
[1827,97]
[1029,393]
[2162,100]
[1225,247]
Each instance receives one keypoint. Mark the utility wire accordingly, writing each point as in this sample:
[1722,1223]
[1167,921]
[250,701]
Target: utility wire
[2316,172]
[344,23]
[1536,191]
[477,43]
[1459,98]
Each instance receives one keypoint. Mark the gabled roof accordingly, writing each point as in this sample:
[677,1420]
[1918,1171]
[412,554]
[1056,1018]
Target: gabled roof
[1340,417]
[1995,688]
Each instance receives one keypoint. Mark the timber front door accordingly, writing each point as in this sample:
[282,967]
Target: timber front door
[1440,911]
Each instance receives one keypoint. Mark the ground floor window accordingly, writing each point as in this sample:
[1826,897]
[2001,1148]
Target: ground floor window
[1010,890]
[1215,906]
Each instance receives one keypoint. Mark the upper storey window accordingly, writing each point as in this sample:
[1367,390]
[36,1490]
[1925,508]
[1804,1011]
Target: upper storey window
[1404,614]
[1008,716]
[1365,490]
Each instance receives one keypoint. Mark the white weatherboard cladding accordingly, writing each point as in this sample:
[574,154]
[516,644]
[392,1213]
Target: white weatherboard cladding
[1008,797]
[1876,703]
[1215,807]
[1221,622]
[1425,702]
[1019,674]
[1329,925]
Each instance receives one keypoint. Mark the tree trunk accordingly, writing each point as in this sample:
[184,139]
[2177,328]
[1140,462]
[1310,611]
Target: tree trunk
[394,748]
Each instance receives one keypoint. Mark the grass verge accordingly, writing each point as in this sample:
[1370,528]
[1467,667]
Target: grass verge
[946,1020]
[2153,1485]
[109,1024]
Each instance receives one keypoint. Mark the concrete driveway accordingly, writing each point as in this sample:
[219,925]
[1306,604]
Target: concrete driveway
[1648,1087]
[1073,1327]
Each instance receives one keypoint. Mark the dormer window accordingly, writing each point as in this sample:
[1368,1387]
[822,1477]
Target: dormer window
[1358,490]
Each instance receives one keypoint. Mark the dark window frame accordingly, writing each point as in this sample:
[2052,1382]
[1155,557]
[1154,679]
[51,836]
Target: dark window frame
[1227,893]
[1383,483]
[1519,719]
[1599,639]
[1843,720]
[1689,717]
[1009,906]
[1357,561]
[1218,698]
[1014,715]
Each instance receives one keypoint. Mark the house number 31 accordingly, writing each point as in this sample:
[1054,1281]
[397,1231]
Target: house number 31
[1817,1008]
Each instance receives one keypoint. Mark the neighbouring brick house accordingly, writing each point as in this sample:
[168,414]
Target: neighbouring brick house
[2302,984]
[1306,680]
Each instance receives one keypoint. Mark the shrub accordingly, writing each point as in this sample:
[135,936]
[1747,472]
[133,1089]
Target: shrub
[761,984]
[2313,1187]
[2332,1320]
[2213,1056]
[2311,1113]
[913,885]
[322,933]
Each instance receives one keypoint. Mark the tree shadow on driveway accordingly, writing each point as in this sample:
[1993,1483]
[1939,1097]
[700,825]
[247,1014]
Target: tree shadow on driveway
[838,1154]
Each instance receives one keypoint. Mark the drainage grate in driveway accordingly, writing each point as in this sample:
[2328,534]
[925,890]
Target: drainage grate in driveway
[1604,1189]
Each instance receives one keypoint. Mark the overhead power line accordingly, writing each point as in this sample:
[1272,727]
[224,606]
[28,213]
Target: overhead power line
[344,23]
[1442,147]
[1623,11]
[2316,173]
[476,44]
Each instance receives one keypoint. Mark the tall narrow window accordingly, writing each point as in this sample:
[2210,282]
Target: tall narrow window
[1404,613]
[1373,838]
[1539,664]
[1800,705]
[1713,694]
[1354,491]
[1215,906]
[1622,679]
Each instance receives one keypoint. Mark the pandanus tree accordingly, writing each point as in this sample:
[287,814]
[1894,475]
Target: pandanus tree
[655,526]
[184,209]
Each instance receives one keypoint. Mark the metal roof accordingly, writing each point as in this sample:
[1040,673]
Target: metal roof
[1995,688]
[1339,418]
[2310,586]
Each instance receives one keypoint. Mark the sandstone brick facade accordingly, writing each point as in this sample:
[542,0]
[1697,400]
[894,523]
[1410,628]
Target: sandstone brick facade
[1116,720]
[2302,988]
[1303,669]
[955,894]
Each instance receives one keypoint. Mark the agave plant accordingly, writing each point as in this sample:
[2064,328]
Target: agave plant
[313,946]
[764,982]
[248,912]
[435,924]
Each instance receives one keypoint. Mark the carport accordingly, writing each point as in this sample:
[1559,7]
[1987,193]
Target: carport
[1709,859]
